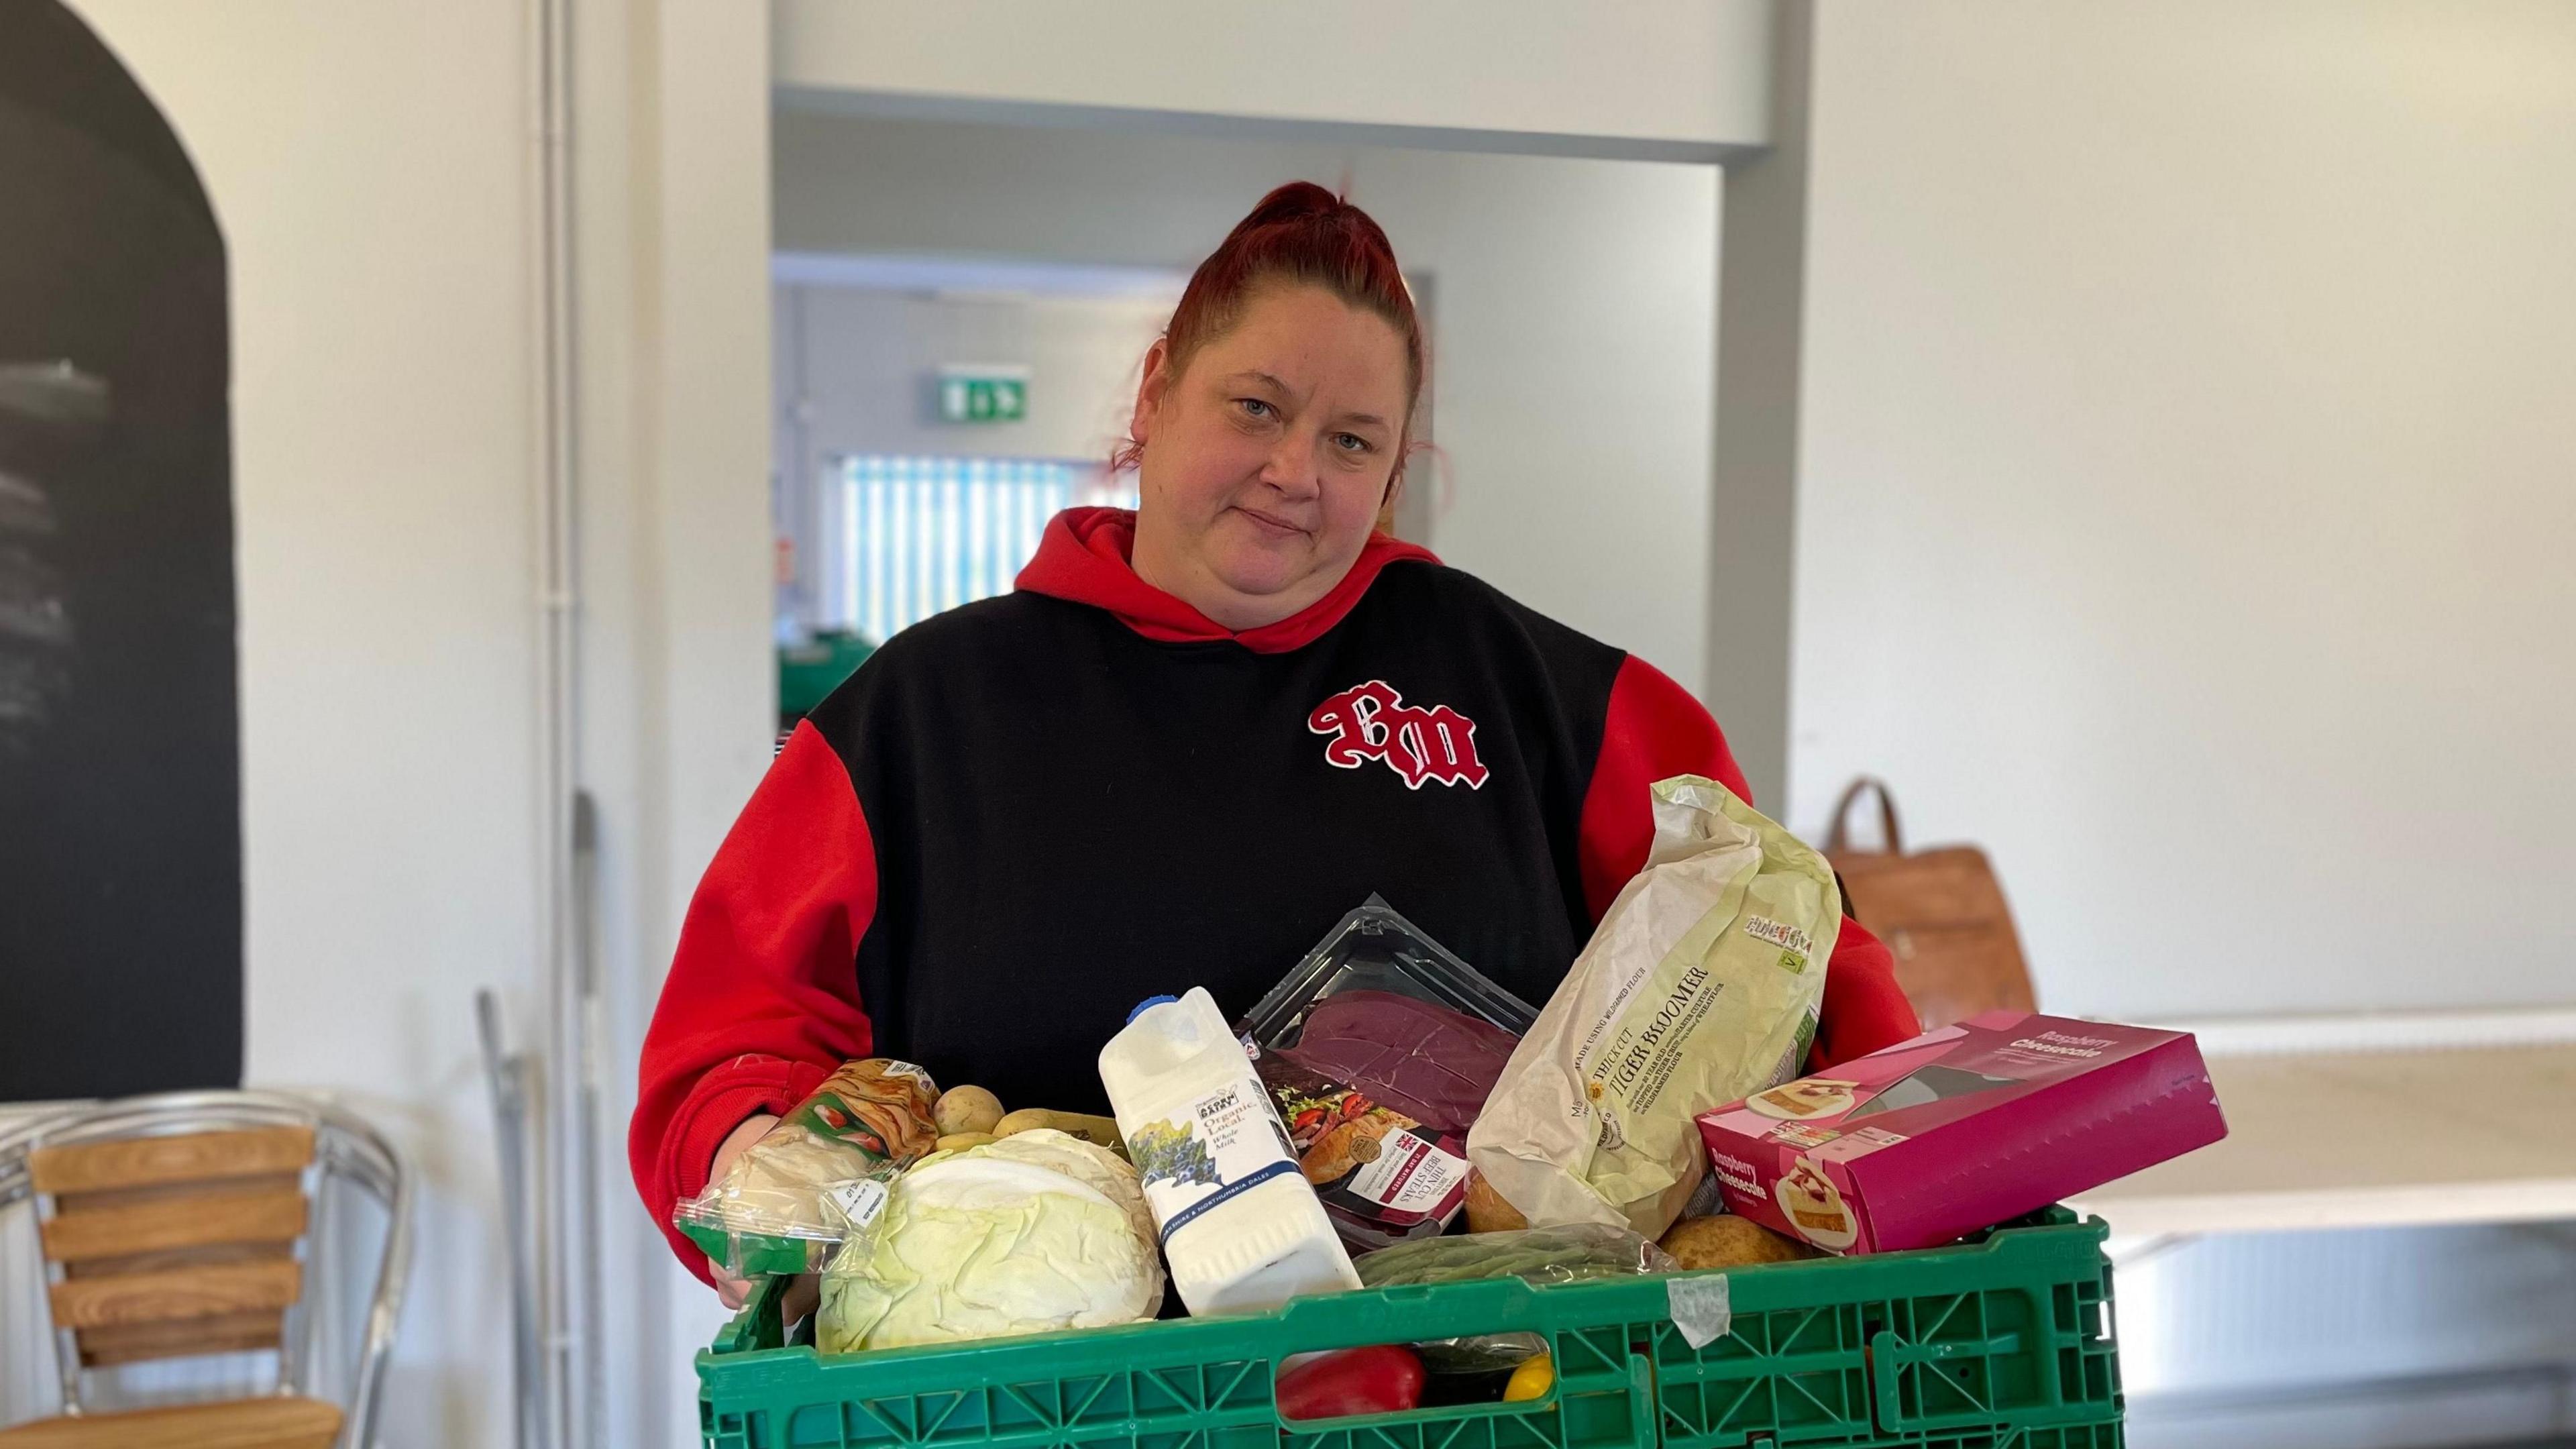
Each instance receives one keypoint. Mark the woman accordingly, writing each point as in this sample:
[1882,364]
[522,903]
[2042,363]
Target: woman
[1195,737]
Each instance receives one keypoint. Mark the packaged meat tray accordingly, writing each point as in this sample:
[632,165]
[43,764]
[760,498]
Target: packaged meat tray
[1379,1049]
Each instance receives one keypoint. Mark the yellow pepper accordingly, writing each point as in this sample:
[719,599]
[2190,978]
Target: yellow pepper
[1531,1380]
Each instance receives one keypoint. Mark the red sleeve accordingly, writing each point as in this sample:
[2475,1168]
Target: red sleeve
[1655,730]
[762,1000]
[1864,1009]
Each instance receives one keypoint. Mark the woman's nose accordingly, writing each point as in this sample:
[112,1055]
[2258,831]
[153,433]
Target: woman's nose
[1290,468]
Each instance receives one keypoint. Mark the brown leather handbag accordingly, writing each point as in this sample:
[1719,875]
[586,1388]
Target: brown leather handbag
[1941,911]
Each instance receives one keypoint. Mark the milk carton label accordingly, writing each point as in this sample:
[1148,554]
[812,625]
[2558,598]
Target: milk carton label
[1226,1143]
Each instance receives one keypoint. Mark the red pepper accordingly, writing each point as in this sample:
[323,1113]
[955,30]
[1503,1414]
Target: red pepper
[1385,1379]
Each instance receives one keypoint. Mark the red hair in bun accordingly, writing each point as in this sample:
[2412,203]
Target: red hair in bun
[1300,234]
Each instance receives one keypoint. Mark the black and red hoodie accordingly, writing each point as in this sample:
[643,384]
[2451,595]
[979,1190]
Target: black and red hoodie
[1021,817]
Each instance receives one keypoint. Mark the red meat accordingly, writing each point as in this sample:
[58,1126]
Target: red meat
[1422,1059]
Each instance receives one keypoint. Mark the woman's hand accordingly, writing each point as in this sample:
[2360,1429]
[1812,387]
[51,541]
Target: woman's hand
[736,1292]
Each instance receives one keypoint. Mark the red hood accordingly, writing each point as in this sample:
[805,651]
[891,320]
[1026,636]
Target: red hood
[1084,557]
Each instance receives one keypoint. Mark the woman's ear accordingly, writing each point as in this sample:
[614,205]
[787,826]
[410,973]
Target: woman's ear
[1151,391]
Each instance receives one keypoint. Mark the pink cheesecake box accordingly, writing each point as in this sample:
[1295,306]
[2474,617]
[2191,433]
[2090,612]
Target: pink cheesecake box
[1959,1129]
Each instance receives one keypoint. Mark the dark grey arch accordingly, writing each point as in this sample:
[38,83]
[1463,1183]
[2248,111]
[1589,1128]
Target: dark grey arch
[120,778]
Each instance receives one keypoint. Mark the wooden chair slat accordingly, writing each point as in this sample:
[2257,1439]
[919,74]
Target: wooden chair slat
[181,1222]
[211,1255]
[176,1293]
[264,1423]
[180,1337]
[81,1202]
[147,1161]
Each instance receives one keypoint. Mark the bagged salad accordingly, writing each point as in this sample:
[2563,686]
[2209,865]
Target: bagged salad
[1699,987]
[1379,1050]
[820,1173]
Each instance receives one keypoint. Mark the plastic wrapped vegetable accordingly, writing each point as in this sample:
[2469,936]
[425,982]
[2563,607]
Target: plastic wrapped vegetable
[1531,1380]
[1028,1233]
[787,1202]
[1575,1253]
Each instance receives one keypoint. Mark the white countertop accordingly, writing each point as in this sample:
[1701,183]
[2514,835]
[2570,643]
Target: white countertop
[2392,1138]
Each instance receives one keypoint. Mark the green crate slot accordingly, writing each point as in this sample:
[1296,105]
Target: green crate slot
[2033,1354]
[2001,1343]
[1796,1375]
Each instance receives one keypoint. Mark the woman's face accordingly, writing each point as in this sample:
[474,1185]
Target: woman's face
[1267,458]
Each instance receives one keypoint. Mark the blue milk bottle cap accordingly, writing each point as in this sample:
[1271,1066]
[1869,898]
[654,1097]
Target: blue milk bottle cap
[1150,1001]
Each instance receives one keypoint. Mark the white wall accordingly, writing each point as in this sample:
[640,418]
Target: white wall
[2188,483]
[370,168]
[1673,79]
[1761,314]
[1574,319]
[2187,475]
[679,688]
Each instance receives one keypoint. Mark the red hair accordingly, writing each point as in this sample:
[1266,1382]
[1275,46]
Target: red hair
[1300,234]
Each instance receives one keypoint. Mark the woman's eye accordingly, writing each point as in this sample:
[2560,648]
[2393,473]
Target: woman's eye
[1350,442]
[1254,407]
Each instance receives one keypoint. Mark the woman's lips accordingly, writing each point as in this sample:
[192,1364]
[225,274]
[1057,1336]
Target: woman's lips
[1270,524]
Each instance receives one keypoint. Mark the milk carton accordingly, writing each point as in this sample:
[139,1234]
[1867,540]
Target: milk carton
[1240,1225]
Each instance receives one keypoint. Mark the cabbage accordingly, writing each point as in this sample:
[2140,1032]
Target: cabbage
[1038,1231]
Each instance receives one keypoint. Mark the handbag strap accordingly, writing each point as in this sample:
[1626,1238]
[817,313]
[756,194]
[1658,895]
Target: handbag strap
[1835,839]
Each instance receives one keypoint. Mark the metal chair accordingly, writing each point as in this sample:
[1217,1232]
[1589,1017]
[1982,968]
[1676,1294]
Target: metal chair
[171,1226]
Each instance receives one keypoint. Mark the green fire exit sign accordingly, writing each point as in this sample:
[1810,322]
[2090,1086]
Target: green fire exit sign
[983,394]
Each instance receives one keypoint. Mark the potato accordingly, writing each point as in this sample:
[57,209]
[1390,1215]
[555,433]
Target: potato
[1727,1241]
[1096,1129]
[960,1141]
[967,1109]
[1487,1210]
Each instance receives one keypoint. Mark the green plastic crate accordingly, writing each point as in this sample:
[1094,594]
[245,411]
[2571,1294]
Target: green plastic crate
[2000,1343]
